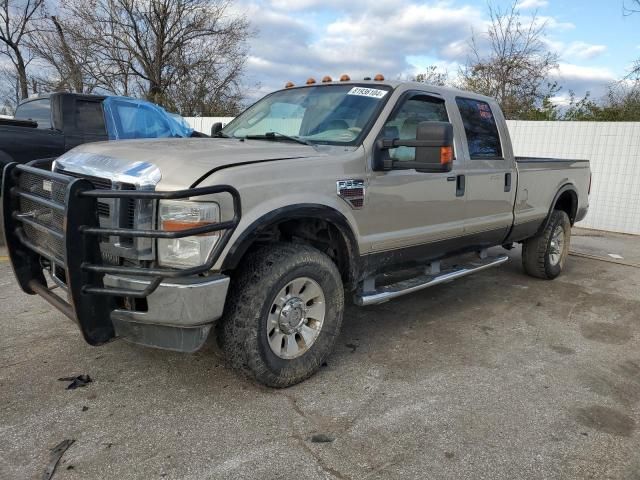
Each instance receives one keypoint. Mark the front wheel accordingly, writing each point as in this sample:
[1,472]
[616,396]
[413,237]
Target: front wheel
[283,314]
[544,255]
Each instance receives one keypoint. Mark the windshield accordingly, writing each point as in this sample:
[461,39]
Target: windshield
[331,114]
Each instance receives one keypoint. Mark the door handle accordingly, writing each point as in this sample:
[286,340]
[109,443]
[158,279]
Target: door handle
[460,185]
[507,182]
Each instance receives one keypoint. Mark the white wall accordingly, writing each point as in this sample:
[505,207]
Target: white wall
[612,148]
[614,152]
[204,124]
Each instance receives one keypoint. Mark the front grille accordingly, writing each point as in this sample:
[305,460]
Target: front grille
[50,217]
[127,218]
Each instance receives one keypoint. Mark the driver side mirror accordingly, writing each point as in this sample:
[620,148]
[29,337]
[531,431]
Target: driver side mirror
[215,128]
[434,149]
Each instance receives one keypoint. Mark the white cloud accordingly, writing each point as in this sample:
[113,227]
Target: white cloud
[580,79]
[526,4]
[298,39]
[583,50]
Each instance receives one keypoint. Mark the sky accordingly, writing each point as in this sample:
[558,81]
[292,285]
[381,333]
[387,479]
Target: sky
[297,39]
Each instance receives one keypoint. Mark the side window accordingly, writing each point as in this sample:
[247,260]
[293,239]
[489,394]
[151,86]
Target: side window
[36,110]
[404,122]
[89,117]
[481,130]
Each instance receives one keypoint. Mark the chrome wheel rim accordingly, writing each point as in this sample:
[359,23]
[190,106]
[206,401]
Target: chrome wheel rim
[295,318]
[556,246]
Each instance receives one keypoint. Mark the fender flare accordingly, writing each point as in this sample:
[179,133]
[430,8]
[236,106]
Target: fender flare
[567,187]
[292,212]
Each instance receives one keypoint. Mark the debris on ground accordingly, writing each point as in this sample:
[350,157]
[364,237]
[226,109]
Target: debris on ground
[56,455]
[321,438]
[352,346]
[76,382]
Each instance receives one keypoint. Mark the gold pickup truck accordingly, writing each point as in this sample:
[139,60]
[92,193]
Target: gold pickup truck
[373,189]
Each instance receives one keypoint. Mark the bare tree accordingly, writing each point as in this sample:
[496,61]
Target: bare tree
[17,18]
[158,48]
[433,76]
[511,62]
[629,8]
[53,43]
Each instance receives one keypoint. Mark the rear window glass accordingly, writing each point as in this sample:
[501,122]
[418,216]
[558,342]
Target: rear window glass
[481,129]
[36,110]
[89,117]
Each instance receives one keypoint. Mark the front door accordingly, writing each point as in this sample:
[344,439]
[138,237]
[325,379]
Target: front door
[490,176]
[406,208]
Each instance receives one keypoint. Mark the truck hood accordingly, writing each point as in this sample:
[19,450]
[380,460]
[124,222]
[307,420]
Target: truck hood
[173,163]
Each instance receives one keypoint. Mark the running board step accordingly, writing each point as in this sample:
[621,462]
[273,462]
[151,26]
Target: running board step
[388,292]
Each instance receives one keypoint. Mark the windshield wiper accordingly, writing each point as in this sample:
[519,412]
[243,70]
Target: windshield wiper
[276,135]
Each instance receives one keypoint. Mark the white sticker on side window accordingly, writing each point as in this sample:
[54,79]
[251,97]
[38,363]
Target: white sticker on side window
[368,92]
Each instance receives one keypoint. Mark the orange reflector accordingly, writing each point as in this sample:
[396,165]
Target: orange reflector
[311,81]
[379,78]
[326,79]
[345,78]
[178,226]
[289,85]
[446,155]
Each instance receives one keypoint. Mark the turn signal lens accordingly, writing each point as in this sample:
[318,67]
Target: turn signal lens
[446,155]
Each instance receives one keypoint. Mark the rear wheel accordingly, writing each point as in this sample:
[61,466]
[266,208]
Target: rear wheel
[283,314]
[544,255]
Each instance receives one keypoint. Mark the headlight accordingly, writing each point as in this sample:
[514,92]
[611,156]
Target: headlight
[175,215]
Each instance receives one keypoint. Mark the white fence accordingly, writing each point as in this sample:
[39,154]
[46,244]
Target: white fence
[614,152]
[204,124]
[612,148]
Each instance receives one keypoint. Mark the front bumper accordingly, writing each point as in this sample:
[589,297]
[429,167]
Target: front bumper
[178,314]
[51,225]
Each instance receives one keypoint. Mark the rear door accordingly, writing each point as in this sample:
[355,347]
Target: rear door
[406,208]
[490,173]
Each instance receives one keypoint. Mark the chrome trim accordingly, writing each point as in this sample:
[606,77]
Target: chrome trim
[384,294]
[144,175]
[181,302]
[121,172]
[351,185]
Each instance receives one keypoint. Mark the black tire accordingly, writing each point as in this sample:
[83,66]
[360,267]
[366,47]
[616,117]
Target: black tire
[538,252]
[243,331]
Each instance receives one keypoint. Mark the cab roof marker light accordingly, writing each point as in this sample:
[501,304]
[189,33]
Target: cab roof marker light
[326,79]
[379,78]
[311,81]
[345,78]
[289,85]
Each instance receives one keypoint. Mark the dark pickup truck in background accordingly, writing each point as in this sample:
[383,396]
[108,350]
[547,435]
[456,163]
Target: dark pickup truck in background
[49,125]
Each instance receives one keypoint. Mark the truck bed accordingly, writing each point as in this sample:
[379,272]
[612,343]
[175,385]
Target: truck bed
[540,180]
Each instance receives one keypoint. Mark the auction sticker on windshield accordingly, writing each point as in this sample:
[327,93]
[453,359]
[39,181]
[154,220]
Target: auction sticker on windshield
[367,92]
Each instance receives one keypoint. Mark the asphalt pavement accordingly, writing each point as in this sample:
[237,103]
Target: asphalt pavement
[495,376]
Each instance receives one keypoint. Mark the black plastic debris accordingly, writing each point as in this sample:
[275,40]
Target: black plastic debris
[321,438]
[56,455]
[76,382]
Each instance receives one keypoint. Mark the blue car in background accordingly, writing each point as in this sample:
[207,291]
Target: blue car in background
[46,126]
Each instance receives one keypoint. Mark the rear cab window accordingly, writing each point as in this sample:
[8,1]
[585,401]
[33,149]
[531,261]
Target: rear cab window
[89,117]
[480,128]
[38,111]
